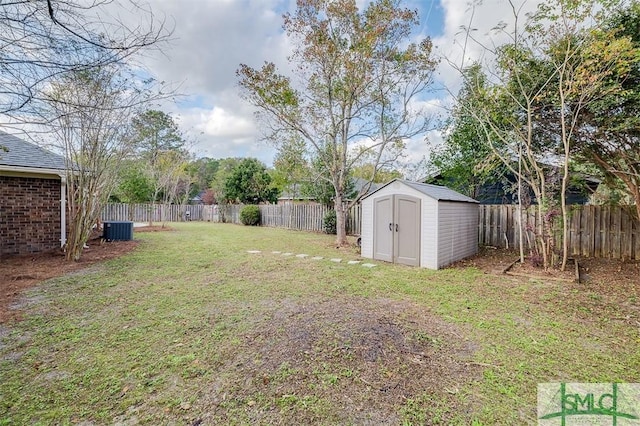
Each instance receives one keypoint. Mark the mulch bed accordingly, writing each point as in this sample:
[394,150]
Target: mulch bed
[20,272]
[613,272]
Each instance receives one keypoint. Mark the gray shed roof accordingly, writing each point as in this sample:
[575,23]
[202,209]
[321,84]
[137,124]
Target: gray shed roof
[25,154]
[439,193]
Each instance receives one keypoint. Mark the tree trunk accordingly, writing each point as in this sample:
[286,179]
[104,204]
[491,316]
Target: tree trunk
[565,212]
[341,223]
[520,227]
[542,236]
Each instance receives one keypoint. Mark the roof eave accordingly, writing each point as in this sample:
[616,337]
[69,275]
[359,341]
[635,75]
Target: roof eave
[379,188]
[32,170]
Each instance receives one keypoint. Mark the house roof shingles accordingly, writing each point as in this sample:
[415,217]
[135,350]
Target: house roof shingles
[25,154]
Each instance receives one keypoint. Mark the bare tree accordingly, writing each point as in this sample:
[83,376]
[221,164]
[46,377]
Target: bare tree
[172,180]
[92,111]
[500,100]
[587,66]
[359,79]
[559,63]
[42,40]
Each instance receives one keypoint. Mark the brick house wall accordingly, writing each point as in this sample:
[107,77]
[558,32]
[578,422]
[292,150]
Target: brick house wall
[29,214]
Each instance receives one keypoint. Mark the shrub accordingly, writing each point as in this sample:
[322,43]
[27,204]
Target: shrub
[250,215]
[329,222]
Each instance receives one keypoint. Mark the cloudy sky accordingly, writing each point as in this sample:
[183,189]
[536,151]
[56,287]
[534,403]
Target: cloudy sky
[212,37]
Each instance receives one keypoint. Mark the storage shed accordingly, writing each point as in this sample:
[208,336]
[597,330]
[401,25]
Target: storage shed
[418,224]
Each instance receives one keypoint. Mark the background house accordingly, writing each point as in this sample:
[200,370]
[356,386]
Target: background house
[32,197]
[502,189]
[294,195]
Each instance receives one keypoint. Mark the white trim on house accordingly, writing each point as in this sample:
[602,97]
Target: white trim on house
[63,211]
[30,171]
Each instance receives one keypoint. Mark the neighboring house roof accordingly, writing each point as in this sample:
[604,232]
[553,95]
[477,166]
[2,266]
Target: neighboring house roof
[198,197]
[294,193]
[438,193]
[25,154]
[359,184]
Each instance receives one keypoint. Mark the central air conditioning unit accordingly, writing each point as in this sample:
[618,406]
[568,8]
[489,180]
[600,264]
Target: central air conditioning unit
[117,231]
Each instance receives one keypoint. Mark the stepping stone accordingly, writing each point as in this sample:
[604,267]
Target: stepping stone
[368,265]
[287,254]
[276,252]
[317,258]
[253,251]
[302,256]
[353,262]
[336,260]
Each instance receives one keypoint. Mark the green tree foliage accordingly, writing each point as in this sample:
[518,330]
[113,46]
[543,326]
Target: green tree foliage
[608,133]
[249,183]
[319,188]
[134,185]
[466,161]
[368,172]
[225,167]
[291,168]
[587,66]
[160,144]
[559,65]
[359,72]
[202,171]
[156,132]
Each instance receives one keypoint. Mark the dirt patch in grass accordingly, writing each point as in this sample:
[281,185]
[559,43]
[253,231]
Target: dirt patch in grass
[380,361]
[18,273]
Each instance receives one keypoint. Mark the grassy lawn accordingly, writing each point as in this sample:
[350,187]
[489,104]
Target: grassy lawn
[190,328]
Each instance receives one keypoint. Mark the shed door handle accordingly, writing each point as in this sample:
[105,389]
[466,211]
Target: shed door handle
[391,227]
[396,227]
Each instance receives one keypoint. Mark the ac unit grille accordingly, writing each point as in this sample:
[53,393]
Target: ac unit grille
[117,231]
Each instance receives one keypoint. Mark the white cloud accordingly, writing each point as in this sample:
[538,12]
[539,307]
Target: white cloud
[212,38]
[220,133]
[469,34]
[218,122]
[210,41]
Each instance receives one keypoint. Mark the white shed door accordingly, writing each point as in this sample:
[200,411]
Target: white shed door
[407,230]
[383,228]
[396,235]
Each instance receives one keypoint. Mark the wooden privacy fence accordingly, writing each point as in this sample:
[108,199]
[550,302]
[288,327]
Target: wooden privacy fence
[594,231]
[152,212]
[304,217]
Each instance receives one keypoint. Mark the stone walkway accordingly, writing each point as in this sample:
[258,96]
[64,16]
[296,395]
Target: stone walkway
[304,256]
